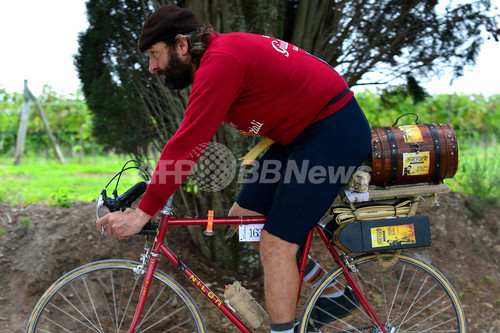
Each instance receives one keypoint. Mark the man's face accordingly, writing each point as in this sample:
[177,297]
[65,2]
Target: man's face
[165,61]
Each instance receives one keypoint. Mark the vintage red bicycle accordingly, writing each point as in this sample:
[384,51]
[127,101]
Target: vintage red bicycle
[397,292]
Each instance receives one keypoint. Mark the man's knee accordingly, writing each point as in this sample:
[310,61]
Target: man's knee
[237,210]
[272,246]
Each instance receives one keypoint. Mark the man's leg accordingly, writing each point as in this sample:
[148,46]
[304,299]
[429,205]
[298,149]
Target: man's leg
[314,273]
[275,279]
[237,210]
[281,277]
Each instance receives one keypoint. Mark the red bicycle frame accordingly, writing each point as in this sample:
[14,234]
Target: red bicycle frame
[159,248]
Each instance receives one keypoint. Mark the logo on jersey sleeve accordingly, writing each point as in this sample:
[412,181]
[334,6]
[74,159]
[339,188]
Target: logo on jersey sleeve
[280,46]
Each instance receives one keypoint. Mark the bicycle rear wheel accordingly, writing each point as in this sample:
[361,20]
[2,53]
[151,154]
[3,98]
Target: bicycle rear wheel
[409,296]
[102,297]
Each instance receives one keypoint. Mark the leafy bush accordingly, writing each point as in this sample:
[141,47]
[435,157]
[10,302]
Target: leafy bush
[68,118]
[482,181]
[472,116]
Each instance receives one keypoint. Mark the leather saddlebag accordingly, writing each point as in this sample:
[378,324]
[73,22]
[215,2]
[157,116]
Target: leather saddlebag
[383,234]
[409,154]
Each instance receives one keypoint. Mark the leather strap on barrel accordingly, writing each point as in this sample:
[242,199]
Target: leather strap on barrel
[437,150]
[394,153]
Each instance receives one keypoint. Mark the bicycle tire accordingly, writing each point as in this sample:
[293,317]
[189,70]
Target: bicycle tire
[102,297]
[409,296]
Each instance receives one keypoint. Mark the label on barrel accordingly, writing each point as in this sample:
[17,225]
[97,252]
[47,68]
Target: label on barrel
[411,133]
[415,164]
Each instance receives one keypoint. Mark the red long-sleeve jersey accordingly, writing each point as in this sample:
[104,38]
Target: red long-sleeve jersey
[257,84]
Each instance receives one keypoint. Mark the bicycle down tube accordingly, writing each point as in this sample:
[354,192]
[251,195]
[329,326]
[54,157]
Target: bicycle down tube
[159,248]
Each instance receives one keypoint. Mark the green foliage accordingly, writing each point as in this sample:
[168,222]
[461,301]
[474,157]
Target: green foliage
[67,115]
[107,65]
[9,120]
[474,118]
[45,181]
[133,111]
[61,197]
[24,224]
[471,116]
[480,177]
[484,176]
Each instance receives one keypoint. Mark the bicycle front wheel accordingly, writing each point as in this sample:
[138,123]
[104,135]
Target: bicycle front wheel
[408,296]
[102,297]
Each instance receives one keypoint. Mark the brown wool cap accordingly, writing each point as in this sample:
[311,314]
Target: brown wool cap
[165,23]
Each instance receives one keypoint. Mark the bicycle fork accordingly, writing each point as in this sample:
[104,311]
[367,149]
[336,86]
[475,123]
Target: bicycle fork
[153,261]
[152,257]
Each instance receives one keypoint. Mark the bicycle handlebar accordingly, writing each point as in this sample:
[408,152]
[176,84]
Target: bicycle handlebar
[124,201]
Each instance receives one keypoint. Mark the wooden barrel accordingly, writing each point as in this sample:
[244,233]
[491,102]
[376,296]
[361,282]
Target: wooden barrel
[409,154]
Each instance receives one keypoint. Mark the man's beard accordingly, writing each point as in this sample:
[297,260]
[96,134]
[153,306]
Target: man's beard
[177,74]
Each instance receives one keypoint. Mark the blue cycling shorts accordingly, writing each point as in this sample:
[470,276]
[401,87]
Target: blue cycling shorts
[294,185]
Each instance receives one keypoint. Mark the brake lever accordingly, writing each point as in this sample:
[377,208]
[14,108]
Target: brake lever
[100,203]
[121,202]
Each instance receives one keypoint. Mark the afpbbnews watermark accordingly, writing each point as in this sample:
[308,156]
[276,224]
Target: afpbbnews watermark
[216,168]
[298,172]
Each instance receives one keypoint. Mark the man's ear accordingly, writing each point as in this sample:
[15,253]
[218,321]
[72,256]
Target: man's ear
[181,44]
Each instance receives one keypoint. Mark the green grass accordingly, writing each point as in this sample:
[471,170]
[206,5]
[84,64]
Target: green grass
[478,176]
[478,170]
[40,180]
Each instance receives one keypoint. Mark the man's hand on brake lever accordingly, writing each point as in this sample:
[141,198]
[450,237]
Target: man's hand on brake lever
[123,224]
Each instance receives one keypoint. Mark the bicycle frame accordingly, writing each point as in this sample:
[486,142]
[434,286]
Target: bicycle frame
[159,248]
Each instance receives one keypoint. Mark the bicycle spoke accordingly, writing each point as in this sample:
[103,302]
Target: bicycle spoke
[94,327]
[125,311]
[432,316]
[103,296]
[72,317]
[115,308]
[88,316]
[409,296]
[120,298]
[91,299]
[361,281]
[177,326]
[164,318]
[159,310]
[420,300]
[403,301]
[104,290]
[148,313]
[58,325]
[396,292]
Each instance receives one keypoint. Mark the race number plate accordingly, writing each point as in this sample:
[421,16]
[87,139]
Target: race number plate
[250,232]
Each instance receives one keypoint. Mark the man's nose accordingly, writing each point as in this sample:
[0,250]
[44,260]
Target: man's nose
[153,66]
